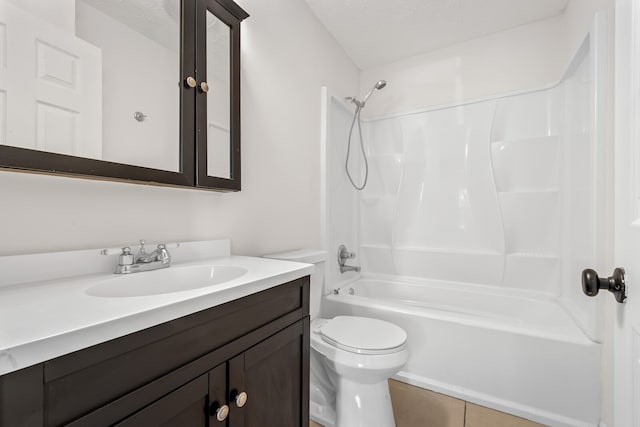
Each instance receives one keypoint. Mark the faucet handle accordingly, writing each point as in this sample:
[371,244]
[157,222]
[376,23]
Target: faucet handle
[163,254]
[125,258]
[114,251]
[344,254]
[118,251]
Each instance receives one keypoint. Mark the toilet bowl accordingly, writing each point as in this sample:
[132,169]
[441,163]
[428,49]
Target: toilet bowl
[351,359]
[359,355]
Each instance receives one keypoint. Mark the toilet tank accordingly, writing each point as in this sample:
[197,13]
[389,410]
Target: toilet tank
[317,257]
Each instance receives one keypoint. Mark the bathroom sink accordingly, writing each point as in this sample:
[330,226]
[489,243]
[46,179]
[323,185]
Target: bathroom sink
[172,279]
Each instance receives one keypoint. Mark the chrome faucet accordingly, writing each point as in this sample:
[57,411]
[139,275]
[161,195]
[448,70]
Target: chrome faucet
[343,256]
[143,261]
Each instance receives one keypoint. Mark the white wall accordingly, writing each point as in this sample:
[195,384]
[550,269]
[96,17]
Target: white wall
[529,56]
[284,64]
[60,13]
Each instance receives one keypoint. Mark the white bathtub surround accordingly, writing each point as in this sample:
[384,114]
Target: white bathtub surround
[339,198]
[492,192]
[47,308]
[487,185]
[489,199]
[477,193]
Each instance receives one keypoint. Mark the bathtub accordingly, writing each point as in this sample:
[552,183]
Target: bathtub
[519,354]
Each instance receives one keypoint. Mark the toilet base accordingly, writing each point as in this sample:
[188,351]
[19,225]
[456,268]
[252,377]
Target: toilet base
[322,414]
[363,405]
[359,405]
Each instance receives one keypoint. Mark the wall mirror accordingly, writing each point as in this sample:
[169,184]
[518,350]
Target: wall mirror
[218,105]
[109,89]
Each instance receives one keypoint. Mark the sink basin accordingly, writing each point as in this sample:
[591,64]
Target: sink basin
[169,280]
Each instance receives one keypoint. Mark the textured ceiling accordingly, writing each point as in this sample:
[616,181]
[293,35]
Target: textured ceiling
[375,32]
[158,20]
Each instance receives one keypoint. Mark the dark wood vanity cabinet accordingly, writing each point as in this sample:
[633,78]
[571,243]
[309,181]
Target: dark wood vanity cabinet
[181,372]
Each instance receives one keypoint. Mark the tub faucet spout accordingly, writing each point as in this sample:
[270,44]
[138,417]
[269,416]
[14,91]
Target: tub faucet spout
[345,268]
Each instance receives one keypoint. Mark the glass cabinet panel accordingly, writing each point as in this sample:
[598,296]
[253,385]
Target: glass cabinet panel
[93,80]
[140,79]
[218,98]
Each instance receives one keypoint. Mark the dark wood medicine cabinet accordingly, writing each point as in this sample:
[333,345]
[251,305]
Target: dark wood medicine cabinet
[205,152]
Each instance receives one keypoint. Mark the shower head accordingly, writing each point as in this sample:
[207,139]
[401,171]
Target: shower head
[379,85]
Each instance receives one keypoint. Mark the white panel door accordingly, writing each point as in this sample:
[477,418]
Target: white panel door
[50,87]
[626,399]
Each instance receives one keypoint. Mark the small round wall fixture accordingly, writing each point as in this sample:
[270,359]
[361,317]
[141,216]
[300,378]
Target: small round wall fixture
[139,116]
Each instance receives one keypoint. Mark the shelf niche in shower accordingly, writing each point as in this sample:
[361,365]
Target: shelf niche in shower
[526,154]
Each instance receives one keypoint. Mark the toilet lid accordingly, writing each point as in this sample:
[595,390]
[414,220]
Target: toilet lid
[363,335]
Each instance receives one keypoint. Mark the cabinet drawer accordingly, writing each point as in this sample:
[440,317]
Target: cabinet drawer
[81,382]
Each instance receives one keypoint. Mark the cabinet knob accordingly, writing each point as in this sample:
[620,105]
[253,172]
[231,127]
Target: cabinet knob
[190,81]
[221,412]
[204,86]
[241,399]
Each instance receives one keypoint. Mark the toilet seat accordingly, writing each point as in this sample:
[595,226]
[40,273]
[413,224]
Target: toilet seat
[362,335]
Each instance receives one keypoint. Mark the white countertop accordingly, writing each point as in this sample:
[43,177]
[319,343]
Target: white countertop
[46,319]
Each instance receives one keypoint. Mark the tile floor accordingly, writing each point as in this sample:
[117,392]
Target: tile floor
[416,407]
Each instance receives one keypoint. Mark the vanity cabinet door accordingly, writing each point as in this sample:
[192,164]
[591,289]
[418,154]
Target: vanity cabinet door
[185,406]
[218,404]
[274,374]
[200,402]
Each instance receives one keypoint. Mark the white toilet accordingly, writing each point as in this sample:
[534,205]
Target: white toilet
[351,359]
